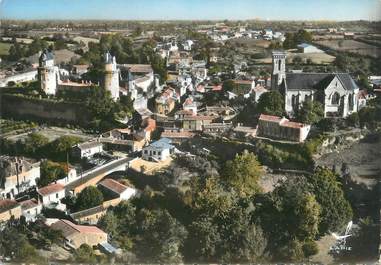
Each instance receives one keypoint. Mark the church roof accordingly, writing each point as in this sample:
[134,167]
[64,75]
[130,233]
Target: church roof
[309,81]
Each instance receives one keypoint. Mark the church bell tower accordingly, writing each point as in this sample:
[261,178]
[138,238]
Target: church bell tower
[278,69]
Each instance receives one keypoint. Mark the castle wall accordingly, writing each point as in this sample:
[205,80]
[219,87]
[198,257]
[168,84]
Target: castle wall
[19,107]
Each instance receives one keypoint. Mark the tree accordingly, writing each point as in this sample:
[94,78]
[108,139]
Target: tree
[271,103]
[14,244]
[242,240]
[34,144]
[310,248]
[160,237]
[310,112]
[89,197]
[353,120]
[297,60]
[243,173]
[228,85]
[85,254]
[50,172]
[335,209]
[203,240]
[61,147]
[341,62]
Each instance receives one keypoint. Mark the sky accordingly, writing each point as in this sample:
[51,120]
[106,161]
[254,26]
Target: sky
[192,9]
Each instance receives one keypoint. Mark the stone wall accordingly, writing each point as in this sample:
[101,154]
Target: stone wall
[45,110]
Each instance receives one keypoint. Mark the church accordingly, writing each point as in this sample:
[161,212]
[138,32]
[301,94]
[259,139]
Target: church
[337,92]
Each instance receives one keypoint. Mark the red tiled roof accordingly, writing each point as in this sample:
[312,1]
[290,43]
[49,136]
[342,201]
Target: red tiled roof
[178,134]
[68,228]
[281,121]
[7,204]
[52,188]
[199,117]
[292,124]
[29,204]
[113,185]
[265,117]
[150,124]
[185,112]
[243,82]
[139,68]
[188,101]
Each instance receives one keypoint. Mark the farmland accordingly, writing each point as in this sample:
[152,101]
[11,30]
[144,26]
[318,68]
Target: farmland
[351,46]
[4,48]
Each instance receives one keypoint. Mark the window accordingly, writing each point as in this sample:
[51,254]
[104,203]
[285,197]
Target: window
[279,65]
[335,99]
[57,195]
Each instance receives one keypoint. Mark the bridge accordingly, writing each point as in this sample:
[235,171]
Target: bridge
[95,175]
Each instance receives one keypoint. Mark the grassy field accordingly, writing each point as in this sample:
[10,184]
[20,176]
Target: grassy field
[317,58]
[351,46]
[4,48]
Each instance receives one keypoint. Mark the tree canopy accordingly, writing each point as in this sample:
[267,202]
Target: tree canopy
[88,198]
[271,103]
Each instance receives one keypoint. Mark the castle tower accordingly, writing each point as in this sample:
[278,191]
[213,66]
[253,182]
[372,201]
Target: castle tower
[47,73]
[111,81]
[279,69]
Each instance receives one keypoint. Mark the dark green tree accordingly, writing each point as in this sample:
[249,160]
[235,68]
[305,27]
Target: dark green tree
[310,112]
[271,103]
[89,197]
[243,173]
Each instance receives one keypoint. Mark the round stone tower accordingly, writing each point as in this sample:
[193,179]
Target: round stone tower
[47,73]
[111,81]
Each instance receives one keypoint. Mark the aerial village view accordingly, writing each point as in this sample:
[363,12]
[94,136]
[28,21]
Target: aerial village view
[190,132]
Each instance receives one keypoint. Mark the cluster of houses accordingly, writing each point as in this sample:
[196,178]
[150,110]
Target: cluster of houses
[166,115]
[20,197]
[221,32]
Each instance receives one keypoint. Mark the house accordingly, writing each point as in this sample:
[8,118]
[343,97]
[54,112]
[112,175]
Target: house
[190,105]
[124,139]
[187,45]
[158,151]
[274,127]
[242,88]
[51,196]
[337,92]
[244,131]
[8,209]
[87,149]
[177,136]
[166,101]
[196,122]
[148,126]
[31,209]
[308,48]
[217,128]
[80,69]
[258,91]
[18,174]
[76,235]
[18,78]
[92,215]
[117,189]
[363,97]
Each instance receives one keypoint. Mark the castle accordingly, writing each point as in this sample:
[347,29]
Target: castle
[137,80]
[337,92]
